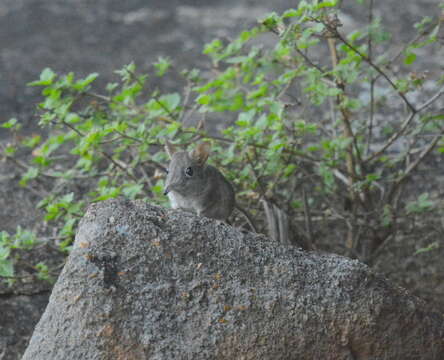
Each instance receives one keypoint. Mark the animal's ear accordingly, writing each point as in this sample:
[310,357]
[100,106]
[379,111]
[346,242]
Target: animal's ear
[200,153]
[170,149]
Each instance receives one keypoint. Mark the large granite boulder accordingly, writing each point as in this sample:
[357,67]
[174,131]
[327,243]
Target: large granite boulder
[143,282]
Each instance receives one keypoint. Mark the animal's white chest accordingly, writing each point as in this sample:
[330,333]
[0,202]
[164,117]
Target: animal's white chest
[179,202]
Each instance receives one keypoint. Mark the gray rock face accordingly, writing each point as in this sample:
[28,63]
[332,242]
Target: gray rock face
[143,282]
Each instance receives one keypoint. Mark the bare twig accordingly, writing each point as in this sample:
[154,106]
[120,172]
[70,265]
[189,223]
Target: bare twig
[405,46]
[98,96]
[308,60]
[420,157]
[369,61]
[371,115]
[430,101]
[372,81]
[78,132]
[348,132]
[188,88]
[157,165]
[168,111]
[262,190]
[120,166]
[136,139]
[405,125]
[308,221]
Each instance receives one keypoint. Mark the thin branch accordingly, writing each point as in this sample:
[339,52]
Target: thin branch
[116,163]
[392,139]
[308,221]
[307,59]
[263,190]
[146,177]
[348,131]
[328,78]
[369,61]
[168,111]
[372,81]
[418,160]
[135,139]
[371,115]
[157,165]
[405,46]
[98,96]
[181,117]
[431,100]
[173,116]
[405,125]
[78,132]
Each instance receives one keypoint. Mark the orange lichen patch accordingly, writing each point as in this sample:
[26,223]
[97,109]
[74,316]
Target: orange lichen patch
[84,245]
[227,307]
[119,347]
[185,295]
[218,276]
[107,330]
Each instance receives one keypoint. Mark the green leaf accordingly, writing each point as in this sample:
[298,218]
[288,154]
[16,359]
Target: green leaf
[289,170]
[170,101]
[236,59]
[289,13]
[30,174]
[67,199]
[6,268]
[72,118]
[410,58]
[68,229]
[245,118]
[433,246]
[83,83]
[4,252]
[10,150]
[47,76]
[325,4]
[203,99]
[31,141]
[9,124]
[162,65]
[24,239]
[108,193]
[422,204]
[42,271]
[132,190]
[271,20]
[213,47]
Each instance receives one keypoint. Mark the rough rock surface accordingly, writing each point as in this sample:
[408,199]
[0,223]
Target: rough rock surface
[146,283]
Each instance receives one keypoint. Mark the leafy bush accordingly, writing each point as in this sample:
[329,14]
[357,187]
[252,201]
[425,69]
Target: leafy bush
[316,124]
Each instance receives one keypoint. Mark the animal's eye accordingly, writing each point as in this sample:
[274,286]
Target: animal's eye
[189,171]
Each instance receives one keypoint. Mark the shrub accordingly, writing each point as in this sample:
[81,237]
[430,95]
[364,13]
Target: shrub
[318,125]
